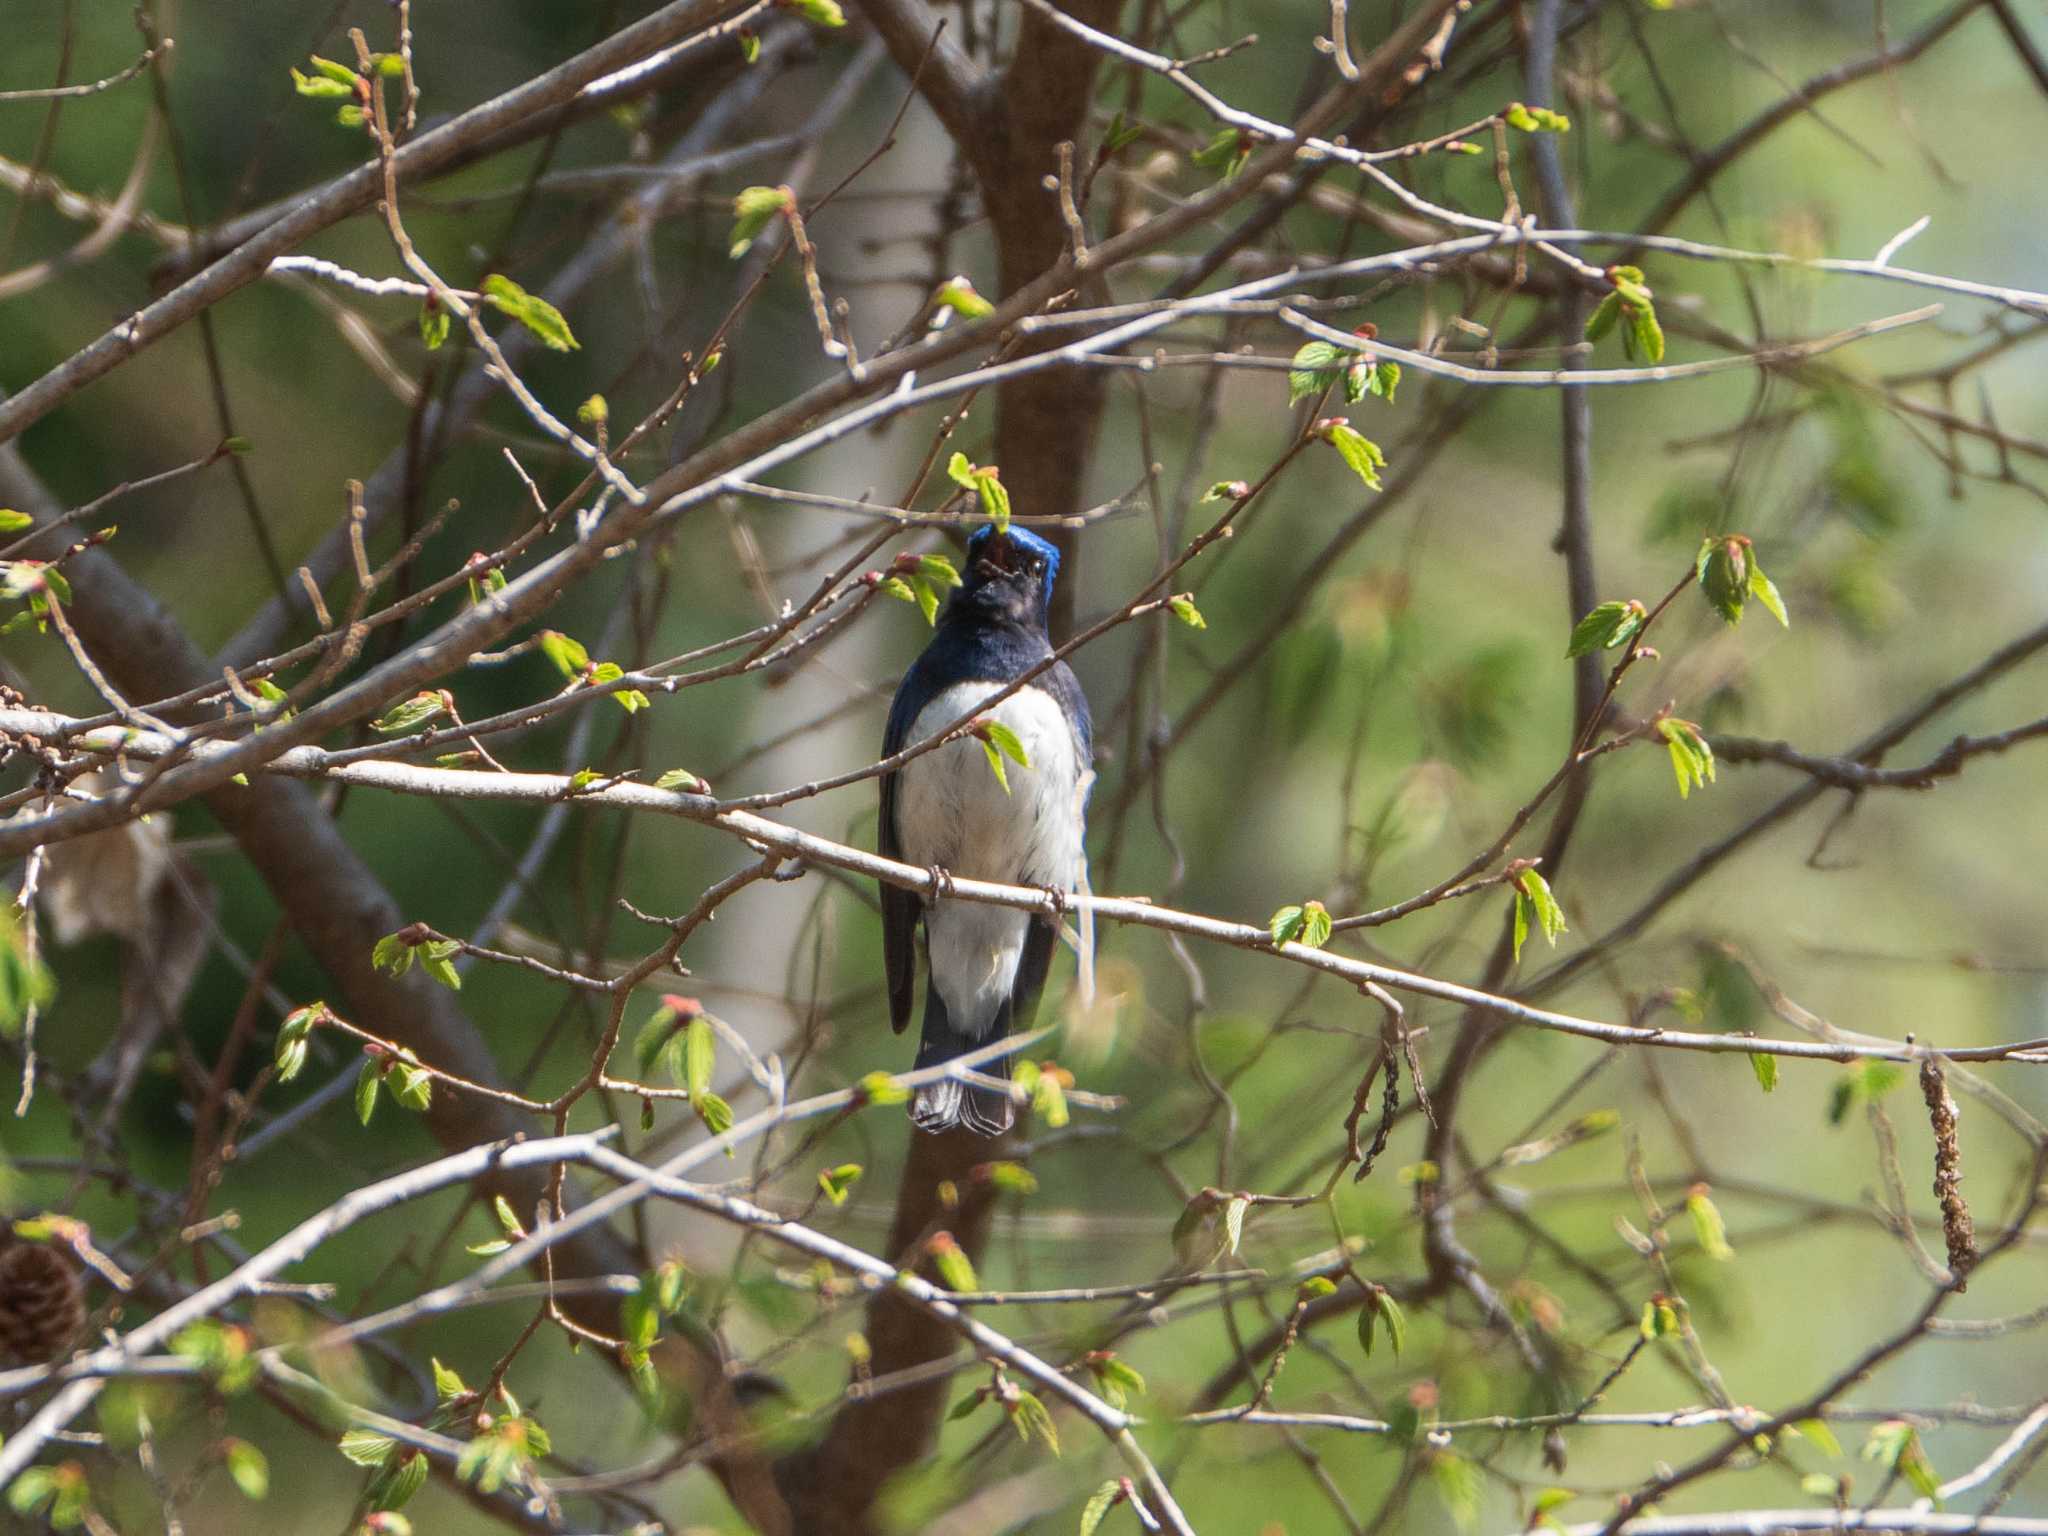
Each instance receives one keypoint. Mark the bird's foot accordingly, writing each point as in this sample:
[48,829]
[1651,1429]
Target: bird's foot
[1058,896]
[942,881]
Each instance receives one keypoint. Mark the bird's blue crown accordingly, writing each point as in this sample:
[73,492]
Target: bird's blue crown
[1020,538]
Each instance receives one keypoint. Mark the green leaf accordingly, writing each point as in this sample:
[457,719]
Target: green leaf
[1644,339]
[1457,1486]
[328,69]
[995,764]
[594,412]
[248,1468]
[752,211]
[700,1054]
[1601,321]
[683,781]
[881,1088]
[824,13]
[750,45]
[1607,626]
[715,1113]
[1315,925]
[367,1448]
[1115,1380]
[436,958]
[1707,1225]
[1286,924]
[896,587]
[1896,1446]
[1823,1438]
[1184,609]
[1396,1320]
[368,1080]
[1007,741]
[1225,153]
[927,599]
[1692,759]
[939,571]
[1765,1066]
[411,1087]
[959,295]
[319,87]
[1536,119]
[12,521]
[834,1183]
[1233,1223]
[1313,369]
[1384,380]
[433,325]
[1535,908]
[1358,450]
[568,655]
[1100,1502]
[1011,1178]
[413,713]
[1034,1421]
[956,1270]
[1765,591]
[530,310]
[1049,1099]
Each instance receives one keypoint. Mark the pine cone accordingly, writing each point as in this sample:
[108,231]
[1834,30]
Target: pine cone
[42,1303]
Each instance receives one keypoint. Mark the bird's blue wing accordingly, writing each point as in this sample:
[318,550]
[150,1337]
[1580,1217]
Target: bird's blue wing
[899,907]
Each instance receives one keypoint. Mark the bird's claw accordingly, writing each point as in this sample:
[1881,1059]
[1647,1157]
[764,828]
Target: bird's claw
[942,881]
[1057,895]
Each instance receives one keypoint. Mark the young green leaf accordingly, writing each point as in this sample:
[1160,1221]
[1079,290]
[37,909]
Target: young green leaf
[959,295]
[1100,1503]
[247,1468]
[568,655]
[1115,1381]
[12,521]
[823,13]
[1314,368]
[413,713]
[1765,1065]
[955,1269]
[1537,908]
[1184,609]
[1707,1224]
[881,1088]
[1692,759]
[433,324]
[753,210]
[1607,626]
[1033,1420]
[1233,1223]
[368,1081]
[700,1054]
[1358,450]
[834,1183]
[1225,153]
[1286,924]
[1536,119]
[530,310]
[1765,591]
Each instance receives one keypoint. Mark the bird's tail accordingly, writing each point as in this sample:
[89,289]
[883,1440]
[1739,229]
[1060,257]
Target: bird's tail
[950,1102]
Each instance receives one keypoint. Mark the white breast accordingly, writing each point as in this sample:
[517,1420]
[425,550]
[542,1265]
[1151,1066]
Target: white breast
[951,812]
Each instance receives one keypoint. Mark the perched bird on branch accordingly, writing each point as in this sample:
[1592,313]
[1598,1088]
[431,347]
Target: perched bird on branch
[1002,801]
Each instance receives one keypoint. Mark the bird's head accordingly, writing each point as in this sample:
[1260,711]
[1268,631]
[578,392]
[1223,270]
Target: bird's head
[1009,576]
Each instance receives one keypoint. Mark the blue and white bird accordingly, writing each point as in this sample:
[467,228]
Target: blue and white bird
[945,810]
